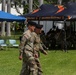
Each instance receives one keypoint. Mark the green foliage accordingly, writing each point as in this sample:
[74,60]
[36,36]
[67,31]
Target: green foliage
[50,1]
[15,35]
[26,10]
[19,27]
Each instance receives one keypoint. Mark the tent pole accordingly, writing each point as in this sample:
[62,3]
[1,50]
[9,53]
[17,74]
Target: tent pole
[53,24]
[74,33]
[38,20]
[65,41]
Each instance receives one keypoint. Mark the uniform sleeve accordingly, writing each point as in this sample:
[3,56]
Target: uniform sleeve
[41,48]
[33,38]
[22,43]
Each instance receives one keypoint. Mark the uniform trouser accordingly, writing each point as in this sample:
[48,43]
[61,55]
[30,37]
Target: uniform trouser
[23,70]
[39,66]
[29,67]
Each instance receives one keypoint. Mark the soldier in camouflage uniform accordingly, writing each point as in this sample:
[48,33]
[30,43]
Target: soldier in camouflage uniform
[26,51]
[38,47]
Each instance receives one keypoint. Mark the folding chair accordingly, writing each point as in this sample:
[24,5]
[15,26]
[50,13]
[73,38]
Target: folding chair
[2,44]
[13,43]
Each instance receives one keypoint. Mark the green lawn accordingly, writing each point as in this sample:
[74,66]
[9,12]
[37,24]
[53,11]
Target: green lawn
[55,63]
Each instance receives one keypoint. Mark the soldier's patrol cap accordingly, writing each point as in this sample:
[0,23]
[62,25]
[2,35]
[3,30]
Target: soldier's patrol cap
[31,23]
[39,26]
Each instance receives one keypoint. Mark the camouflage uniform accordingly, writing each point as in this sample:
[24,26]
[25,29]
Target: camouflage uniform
[37,47]
[26,49]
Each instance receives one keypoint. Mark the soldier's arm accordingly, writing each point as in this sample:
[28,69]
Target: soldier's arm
[21,46]
[42,49]
[43,45]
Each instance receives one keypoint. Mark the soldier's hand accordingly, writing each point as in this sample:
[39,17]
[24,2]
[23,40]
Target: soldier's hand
[45,53]
[20,57]
[36,56]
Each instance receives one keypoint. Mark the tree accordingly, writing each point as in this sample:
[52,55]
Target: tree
[59,2]
[3,23]
[30,5]
[40,2]
[8,32]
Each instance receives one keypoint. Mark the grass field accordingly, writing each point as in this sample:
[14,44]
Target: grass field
[55,63]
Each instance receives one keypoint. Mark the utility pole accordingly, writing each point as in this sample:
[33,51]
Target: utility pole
[30,5]
[3,23]
[8,23]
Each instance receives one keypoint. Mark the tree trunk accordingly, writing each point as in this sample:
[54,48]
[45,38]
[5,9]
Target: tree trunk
[40,2]
[8,23]
[3,23]
[59,2]
[30,5]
